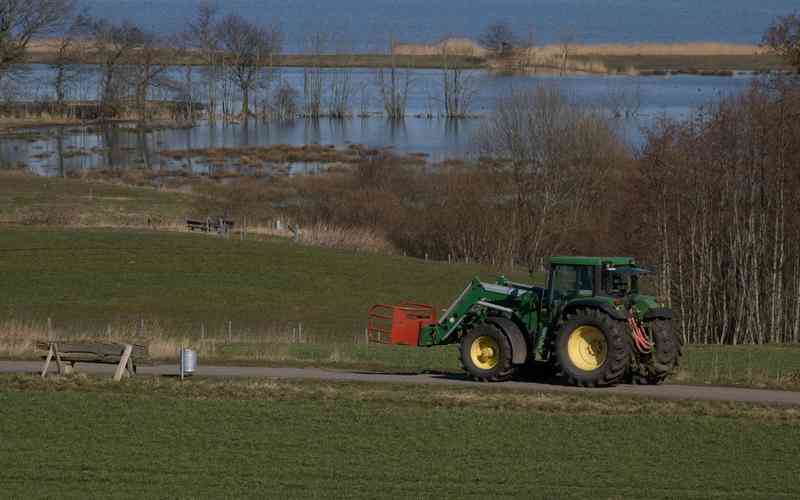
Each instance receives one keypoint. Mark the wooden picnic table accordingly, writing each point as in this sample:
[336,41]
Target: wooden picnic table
[217,224]
[68,353]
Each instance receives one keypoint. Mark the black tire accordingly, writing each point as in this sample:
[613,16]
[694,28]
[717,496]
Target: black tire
[614,365]
[501,368]
[654,368]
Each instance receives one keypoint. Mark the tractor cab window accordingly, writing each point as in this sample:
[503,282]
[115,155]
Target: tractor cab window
[621,282]
[572,281]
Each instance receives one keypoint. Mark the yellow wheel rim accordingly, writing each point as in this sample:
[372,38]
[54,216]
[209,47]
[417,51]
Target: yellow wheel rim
[484,352]
[587,347]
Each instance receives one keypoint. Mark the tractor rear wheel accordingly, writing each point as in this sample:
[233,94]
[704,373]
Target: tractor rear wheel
[486,354]
[592,349]
[667,349]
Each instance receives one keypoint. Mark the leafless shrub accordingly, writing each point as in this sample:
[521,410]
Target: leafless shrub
[313,84]
[558,157]
[340,92]
[394,85]
[459,88]
[284,104]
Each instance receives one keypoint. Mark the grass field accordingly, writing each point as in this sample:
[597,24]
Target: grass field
[158,438]
[184,288]
[88,279]
[177,288]
[32,200]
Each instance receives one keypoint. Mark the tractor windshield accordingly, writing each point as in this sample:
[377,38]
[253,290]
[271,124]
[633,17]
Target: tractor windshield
[622,281]
[572,281]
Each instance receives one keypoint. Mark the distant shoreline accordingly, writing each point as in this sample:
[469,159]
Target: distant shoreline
[698,58]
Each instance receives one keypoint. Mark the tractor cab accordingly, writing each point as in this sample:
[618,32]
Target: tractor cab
[594,276]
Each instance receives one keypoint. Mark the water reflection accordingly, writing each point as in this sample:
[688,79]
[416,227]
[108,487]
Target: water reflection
[58,151]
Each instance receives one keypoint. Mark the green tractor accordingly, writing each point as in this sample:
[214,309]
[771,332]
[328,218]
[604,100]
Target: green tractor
[591,324]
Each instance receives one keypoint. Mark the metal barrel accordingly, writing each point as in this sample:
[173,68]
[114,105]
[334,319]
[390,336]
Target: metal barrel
[188,361]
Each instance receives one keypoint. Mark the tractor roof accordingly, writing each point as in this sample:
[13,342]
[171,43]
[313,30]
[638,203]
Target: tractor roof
[592,261]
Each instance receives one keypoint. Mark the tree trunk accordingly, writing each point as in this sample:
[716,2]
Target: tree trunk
[245,101]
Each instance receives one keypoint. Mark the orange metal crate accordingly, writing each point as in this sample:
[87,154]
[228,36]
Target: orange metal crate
[400,324]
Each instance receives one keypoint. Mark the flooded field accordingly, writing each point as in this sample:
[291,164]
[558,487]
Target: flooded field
[632,103]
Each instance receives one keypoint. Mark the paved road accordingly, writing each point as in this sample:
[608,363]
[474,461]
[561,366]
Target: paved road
[671,392]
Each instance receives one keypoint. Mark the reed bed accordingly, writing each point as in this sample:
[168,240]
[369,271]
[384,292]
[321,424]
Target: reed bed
[330,236]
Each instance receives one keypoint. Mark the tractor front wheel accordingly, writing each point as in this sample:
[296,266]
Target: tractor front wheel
[592,349]
[486,354]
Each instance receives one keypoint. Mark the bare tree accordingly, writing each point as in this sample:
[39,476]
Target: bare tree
[203,36]
[783,39]
[113,48]
[718,206]
[23,20]
[149,63]
[249,53]
[498,38]
[557,154]
[66,64]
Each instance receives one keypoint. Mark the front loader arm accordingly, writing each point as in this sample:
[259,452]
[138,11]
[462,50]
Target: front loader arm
[476,300]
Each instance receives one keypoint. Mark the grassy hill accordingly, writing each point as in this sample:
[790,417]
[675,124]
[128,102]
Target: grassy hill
[264,300]
[86,279]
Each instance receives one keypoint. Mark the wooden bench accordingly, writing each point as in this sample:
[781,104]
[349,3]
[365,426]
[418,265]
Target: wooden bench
[67,354]
[217,224]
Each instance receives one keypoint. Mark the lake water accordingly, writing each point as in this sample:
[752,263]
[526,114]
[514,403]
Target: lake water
[636,102]
[367,24]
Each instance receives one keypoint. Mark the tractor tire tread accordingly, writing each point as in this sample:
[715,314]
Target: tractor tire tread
[616,366]
[505,369]
[665,359]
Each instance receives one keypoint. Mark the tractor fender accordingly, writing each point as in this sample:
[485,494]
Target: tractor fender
[659,313]
[519,348]
[593,304]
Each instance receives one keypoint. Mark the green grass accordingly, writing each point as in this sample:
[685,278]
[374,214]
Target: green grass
[86,279]
[57,201]
[775,366]
[163,439]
